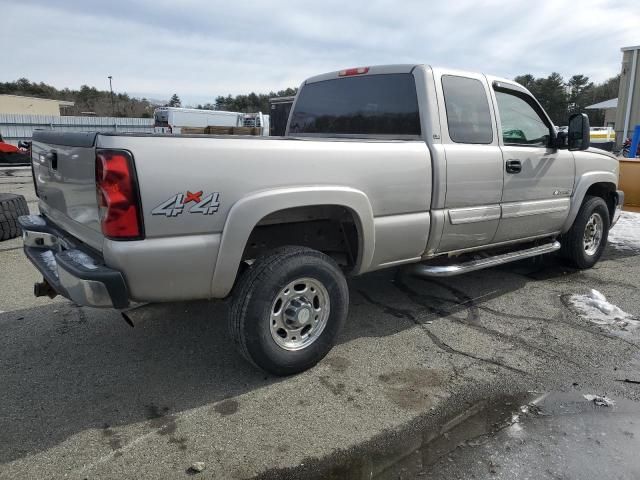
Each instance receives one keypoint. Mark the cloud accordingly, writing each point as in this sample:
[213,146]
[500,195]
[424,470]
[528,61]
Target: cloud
[201,49]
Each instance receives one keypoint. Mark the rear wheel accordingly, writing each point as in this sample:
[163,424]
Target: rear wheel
[288,308]
[584,243]
[11,207]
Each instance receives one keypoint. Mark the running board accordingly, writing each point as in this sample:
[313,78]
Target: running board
[423,270]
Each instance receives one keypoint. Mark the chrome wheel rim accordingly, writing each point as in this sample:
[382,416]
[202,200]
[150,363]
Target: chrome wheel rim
[299,314]
[593,234]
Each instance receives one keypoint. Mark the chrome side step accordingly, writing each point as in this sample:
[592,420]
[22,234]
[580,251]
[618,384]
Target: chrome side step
[423,270]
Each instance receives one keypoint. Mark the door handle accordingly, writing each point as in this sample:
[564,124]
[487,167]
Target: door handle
[514,166]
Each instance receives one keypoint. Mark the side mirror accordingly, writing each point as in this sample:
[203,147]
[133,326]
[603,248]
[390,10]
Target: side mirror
[562,140]
[579,132]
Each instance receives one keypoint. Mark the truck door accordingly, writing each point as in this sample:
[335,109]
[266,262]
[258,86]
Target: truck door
[473,161]
[538,178]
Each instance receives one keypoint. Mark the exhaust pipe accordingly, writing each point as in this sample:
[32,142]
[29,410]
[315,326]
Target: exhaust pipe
[43,289]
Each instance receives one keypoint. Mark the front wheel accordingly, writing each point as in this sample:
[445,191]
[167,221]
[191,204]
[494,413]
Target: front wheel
[288,308]
[585,241]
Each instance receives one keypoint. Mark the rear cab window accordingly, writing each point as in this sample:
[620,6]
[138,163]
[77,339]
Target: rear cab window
[467,106]
[380,105]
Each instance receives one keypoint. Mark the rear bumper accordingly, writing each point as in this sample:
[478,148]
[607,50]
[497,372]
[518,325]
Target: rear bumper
[72,271]
[618,208]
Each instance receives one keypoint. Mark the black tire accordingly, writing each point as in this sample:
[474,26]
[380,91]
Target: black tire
[11,207]
[250,317]
[573,248]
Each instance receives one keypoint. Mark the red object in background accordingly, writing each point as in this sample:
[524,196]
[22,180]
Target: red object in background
[8,148]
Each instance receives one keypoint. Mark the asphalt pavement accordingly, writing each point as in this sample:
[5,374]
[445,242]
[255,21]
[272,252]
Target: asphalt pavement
[84,395]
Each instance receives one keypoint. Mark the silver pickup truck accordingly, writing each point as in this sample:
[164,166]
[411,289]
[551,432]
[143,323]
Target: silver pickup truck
[380,166]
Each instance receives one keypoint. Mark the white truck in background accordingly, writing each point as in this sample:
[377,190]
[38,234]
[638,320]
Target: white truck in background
[173,119]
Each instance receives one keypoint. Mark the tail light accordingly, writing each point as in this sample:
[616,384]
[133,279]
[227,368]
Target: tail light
[117,192]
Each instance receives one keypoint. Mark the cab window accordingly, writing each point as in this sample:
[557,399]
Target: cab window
[468,116]
[521,124]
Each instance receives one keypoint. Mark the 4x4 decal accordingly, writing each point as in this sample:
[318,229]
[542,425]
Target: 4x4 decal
[176,205]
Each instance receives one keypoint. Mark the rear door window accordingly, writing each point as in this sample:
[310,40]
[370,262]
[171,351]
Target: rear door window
[384,105]
[468,116]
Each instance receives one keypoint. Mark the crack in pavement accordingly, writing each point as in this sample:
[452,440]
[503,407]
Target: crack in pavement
[396,312]
[434,338]
[558,319]
[449,349]
[473,319]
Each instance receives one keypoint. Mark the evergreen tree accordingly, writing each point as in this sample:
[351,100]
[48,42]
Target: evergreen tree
[560,99]
[175,101]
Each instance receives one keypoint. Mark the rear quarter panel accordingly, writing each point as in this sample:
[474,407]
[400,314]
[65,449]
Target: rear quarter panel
[394,175]
[184,250]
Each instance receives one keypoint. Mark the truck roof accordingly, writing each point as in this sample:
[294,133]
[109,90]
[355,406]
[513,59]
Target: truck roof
[401,68]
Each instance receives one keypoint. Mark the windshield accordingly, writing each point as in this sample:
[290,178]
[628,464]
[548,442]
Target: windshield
[161,118]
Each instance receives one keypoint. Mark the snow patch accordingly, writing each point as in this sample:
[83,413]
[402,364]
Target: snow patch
[594,307]
[625,235]
[600,401]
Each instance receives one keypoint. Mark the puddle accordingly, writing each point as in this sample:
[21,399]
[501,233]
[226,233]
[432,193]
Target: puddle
[531,435]
[471,429]
[553,435]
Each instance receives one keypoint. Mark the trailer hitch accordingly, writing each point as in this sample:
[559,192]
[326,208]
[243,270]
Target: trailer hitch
[43,289]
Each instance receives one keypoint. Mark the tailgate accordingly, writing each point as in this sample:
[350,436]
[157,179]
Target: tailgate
[64,174]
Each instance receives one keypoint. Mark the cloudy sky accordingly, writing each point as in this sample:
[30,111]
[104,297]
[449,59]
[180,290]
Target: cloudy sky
[201,49]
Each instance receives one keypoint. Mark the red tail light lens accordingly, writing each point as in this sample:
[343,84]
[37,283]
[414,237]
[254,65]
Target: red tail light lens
[353,71]
[118,201]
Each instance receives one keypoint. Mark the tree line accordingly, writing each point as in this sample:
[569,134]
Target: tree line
[559,98]
[251,103]
[88,100]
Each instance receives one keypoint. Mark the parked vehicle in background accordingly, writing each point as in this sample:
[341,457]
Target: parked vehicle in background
[253,120]
[448,171]
[10,154]
[602,137]
[174,119]
[279,108]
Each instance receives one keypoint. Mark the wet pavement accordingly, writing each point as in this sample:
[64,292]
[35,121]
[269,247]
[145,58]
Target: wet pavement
[83,395]
[553,436]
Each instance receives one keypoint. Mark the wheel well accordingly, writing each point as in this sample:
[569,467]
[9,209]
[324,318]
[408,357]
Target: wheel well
[330,229]
[607,192]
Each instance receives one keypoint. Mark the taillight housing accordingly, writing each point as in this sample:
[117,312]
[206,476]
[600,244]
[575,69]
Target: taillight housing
[117,193]
[353,71]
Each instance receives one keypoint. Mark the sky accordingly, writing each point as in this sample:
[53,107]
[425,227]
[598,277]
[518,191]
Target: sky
[201,49]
